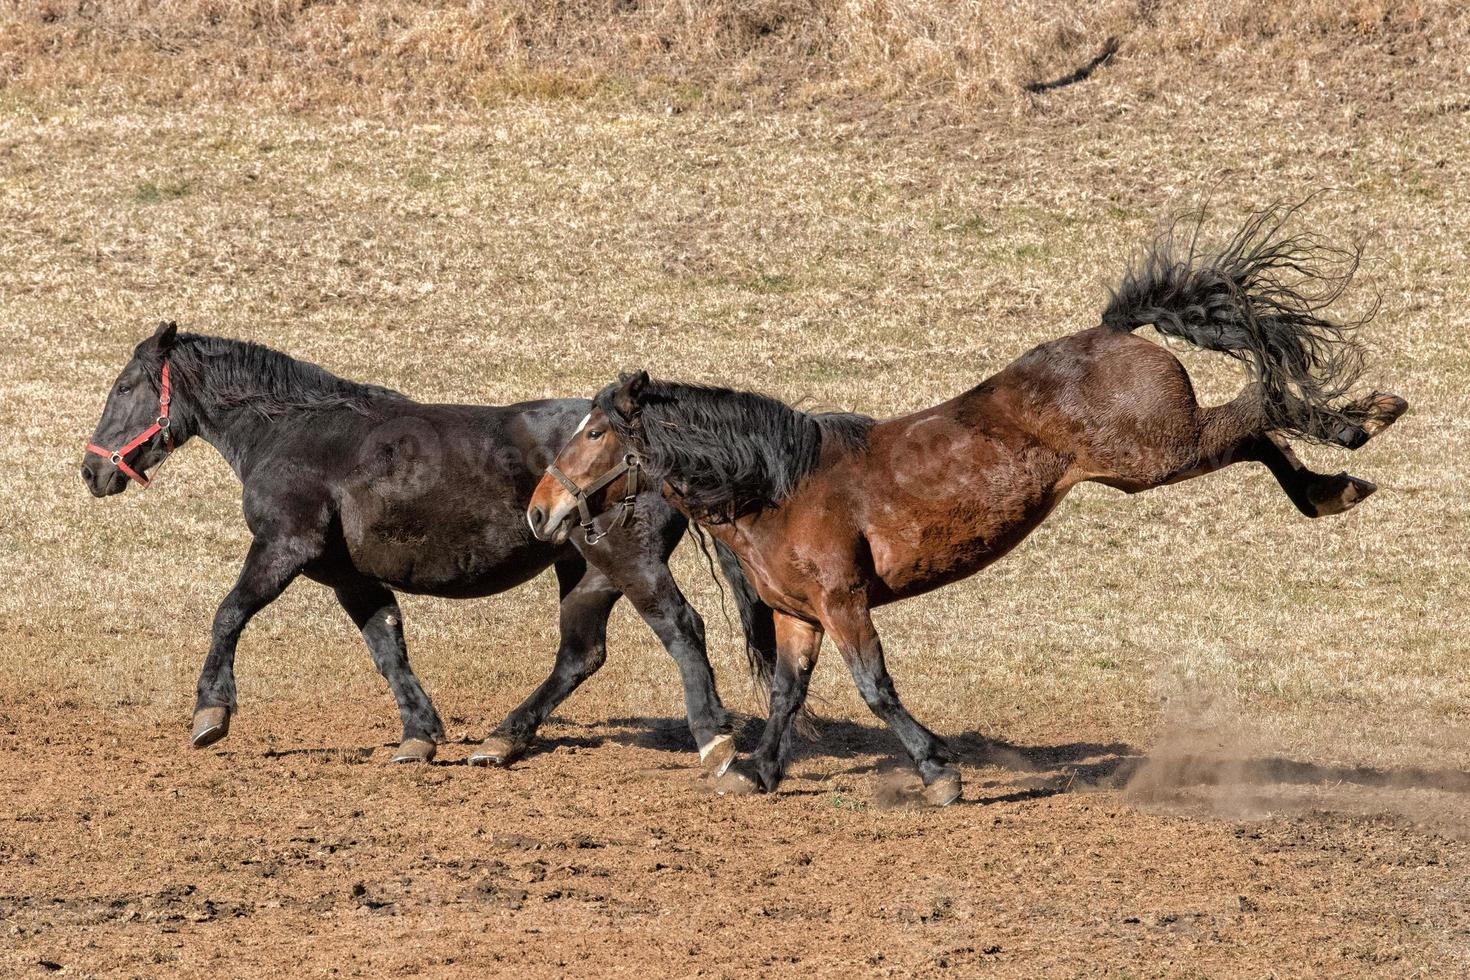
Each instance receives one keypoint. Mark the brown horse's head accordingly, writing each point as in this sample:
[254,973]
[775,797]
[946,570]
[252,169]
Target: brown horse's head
[594,453]
[134,405]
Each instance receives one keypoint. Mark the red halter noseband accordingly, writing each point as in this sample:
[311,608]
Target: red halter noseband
[119,458]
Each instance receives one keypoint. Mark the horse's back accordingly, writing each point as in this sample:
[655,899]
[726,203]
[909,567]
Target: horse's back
[937,495]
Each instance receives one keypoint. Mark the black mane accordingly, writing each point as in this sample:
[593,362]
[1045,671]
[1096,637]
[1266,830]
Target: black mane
[728,453]
[226,374]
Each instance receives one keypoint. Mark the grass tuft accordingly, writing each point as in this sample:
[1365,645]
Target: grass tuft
[149,192]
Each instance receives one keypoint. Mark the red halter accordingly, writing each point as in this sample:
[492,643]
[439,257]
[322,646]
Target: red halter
[119,457]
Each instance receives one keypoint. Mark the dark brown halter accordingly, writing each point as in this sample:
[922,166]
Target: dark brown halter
[630,465]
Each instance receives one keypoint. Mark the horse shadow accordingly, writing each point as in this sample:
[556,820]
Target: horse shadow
[873,749]
[1029,772]
[1009,771]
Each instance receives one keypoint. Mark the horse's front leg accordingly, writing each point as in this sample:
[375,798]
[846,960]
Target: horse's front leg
[636,560]
[797,645]
[269,568]
[850,624]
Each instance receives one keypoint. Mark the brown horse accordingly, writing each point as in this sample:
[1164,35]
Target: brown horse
[833,515]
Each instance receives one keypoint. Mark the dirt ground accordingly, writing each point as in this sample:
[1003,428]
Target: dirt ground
[602,854]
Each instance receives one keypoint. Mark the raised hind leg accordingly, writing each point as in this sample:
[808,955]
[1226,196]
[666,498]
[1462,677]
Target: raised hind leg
[1375,413]
[1314,494]
[587,598]
[1237,432]
[375,611]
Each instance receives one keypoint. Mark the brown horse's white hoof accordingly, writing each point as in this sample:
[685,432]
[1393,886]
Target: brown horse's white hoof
[1336,494]
[497,750]
[415,750]
[733,782]
[210,725]
[717,754]
[944,790]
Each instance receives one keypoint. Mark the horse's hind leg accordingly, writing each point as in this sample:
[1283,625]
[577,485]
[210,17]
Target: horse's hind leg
[1374,413]
[1317,494]
[587,597]
[1237,432]
[1314,494]
[375,611]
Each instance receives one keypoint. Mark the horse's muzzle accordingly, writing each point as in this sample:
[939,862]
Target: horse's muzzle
[545,527]
[103,486]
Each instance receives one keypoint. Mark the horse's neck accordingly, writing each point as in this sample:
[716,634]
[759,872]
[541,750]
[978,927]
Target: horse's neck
[236,431]
[236,434]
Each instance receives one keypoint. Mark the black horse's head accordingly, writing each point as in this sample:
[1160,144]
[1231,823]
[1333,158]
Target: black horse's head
[135,403]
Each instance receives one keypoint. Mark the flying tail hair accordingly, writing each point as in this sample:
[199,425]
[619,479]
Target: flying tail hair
[1260,299]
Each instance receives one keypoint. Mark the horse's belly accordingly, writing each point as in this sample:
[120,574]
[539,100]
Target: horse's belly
[914,557]
[459,573]
[442,553]
[906,570]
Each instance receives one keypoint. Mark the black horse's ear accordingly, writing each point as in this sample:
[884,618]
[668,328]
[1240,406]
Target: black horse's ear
[628,399]
[162,341]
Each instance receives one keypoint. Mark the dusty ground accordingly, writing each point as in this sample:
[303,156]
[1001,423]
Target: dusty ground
[127,855]
[1226,741]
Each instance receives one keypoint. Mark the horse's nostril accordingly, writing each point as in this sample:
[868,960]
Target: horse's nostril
[536,516]
[88,476]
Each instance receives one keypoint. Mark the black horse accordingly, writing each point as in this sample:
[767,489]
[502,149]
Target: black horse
[366,491]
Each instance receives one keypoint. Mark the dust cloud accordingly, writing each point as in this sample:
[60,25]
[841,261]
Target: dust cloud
[1208,760]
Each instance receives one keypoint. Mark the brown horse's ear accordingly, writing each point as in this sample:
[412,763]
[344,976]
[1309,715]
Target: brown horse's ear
[628,399]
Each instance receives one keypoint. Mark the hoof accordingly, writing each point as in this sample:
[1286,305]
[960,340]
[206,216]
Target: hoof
[736,783]
[1384,410]
[210,725]
[415,750]
[717,755]
[1336,494]
[497,750]
[944,790]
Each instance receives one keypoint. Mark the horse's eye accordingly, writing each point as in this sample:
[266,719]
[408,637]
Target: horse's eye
[594,433]
[123,389]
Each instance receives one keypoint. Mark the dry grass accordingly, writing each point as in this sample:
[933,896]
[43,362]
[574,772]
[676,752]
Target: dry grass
[535,246]
[388,55]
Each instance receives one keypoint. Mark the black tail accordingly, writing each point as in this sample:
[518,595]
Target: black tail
[1257,299]
[756,620]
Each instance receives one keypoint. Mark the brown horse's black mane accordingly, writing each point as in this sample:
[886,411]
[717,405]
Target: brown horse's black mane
[727,453]
[226,374]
